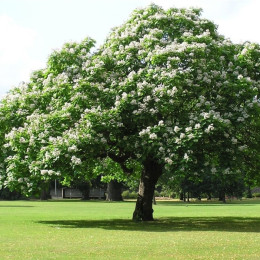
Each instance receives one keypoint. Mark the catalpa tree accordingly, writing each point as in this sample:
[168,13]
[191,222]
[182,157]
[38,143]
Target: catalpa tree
[164,95]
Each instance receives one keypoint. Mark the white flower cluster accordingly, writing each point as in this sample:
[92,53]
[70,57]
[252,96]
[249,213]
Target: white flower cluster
[50,173]
[209,128]
[168,161]
[73,148]
[75,160]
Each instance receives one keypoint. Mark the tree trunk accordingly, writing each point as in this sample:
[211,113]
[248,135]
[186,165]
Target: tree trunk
[222,196]
[249,192]
[144,204]
[85,193]
[184,196]
[114,191]
[45,192]
[154,200]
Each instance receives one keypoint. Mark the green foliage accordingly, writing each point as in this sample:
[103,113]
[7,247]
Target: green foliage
[164,87]
[129,194]
[156,193]
[256,195]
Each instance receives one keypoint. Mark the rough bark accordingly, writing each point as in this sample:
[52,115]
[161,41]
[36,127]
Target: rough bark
[144,204]
[114,191]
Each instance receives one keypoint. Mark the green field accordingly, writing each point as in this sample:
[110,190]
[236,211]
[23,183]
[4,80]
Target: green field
[104,230]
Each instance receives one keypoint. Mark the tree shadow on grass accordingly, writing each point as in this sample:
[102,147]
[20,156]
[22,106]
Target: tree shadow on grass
[174,224]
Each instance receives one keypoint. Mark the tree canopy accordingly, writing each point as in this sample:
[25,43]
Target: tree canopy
[164,95]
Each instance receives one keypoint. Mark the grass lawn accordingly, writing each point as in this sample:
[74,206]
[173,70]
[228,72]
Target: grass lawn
[104,230]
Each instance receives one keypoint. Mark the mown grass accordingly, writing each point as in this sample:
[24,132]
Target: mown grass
[104,230]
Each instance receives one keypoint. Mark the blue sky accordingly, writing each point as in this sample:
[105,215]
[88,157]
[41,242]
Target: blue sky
[31,29]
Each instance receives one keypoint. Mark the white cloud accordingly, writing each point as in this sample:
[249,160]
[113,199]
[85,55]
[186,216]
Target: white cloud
[15,40]
[242,25]
[16,63]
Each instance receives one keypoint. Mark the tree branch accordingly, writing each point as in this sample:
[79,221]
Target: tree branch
[121,161]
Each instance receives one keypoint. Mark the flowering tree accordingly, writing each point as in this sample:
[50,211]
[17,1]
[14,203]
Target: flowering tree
[165,94]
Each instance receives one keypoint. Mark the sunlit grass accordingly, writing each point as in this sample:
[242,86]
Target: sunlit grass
[104,230]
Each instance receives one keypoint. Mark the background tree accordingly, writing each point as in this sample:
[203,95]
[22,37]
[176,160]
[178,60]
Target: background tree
[165,94]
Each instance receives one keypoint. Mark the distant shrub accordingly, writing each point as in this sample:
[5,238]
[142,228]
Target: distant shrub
[256,195]
[125,194]
[156,193]
[168,194]
[129,195]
